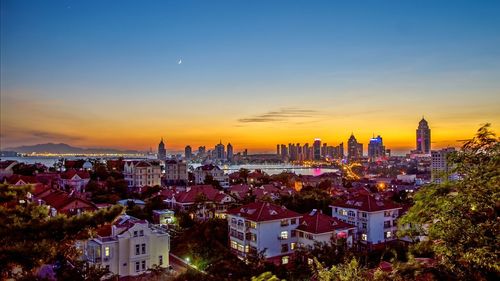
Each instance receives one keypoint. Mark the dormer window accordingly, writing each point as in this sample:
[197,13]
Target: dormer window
[135,233]
[141,233]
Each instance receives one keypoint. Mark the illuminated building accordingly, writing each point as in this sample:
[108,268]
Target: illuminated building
[423,137]
[376,148]
[229,152]
[162,152]
[188,153]
[317,149]
[219,151]
[354,149]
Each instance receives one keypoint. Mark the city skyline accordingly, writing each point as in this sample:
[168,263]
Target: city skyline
[99,74]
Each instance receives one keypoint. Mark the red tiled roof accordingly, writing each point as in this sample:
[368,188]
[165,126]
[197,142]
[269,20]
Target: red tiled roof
[69,174]
[16,178]
[59,199]
[367,203]
[263,211]
[209,191]
[239,188]
[105,230]
[316,222]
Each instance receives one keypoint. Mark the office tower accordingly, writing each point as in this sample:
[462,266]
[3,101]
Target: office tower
[376,148]
[229,152]
[201,151]
[277,149]
[188,153]
[306,151]
[323,150]
[219,151]
[440,169]
[284,152]
[354,149]
[162,152]
[317,149]
[423,137]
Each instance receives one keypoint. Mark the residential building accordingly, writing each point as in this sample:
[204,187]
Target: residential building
[440,168]
[74,180]
[162,152]
[176,172]
[317,227]
[423,137]
[142,173]
[61,202]
[129,247]
[201,172]
[317,149]
[263,227]
[374,217]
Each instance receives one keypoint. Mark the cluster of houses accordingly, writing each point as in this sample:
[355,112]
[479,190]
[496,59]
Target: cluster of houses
[256,224]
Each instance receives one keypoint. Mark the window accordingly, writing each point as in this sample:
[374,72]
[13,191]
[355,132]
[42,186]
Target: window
[387,213]
[293,233]
[253,224]
[234,245]
[394,222]
[247,249]
[107,267]
[143,248]
[160,260]
[363,214]
[284,260]
[301,234]
[137,268]
[293,246]
[284,248]
[284,222]
[343,212]
[387,224]
[233,221]
[106,251]
[387,234]
[143,265]
[363,225]
[135,233]
[240,248]
[141,233]
[351,214]
[284,235]
[310,261]
[137,247]
[293,221]
[364,237]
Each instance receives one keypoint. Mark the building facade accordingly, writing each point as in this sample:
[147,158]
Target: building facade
[142,173]
[376,149]
[354,149]
[162,152]
[176,172]
[188,153]
[129,247]
[201,172]
[423,137]
[440,168]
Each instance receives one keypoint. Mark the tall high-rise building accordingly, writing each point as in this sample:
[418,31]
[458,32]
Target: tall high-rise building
[423,137]
[188,153]
[439,165]
[324,150]
[317,149]
[354,149]
[230,152]
[277,149]
[201,151]
[376,148]
[162,152]
[306,151]
[219,151]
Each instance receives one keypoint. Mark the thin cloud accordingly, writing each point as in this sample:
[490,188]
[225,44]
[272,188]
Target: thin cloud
[283,114]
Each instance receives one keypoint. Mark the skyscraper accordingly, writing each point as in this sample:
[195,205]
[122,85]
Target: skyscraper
[201,151]
[219,151]
[317,149]
[229,152]
[376,148]
[188,152]
[354,149]
[423,137]
[162,152]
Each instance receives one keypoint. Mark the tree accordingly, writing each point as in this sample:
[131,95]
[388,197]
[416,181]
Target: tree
[266,276]
[244,174]
[29,237]
[348,271]
[460,218]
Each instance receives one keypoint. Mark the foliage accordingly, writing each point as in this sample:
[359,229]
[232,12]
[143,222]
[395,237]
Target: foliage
[30,238]
[307,199]
[460,218]
[348,271]
[266,276]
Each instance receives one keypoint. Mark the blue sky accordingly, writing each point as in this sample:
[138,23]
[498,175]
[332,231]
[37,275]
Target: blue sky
[102,61]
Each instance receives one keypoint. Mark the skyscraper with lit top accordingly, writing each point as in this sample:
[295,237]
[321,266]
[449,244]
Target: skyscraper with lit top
[162,152]
[423,137]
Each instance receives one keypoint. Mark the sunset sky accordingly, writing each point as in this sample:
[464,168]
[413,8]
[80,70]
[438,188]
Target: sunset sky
[254,73]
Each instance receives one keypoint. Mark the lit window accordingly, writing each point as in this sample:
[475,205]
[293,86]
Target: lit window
[309,261]
[284,260]
[293,245]
[284,235]
[106,251]
[253,224]
[364,237]
[388,234]
[234,245]
[247,249]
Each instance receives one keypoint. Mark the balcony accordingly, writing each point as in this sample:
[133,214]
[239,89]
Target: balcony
[282,238]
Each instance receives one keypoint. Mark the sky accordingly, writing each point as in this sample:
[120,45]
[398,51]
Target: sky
[254,73]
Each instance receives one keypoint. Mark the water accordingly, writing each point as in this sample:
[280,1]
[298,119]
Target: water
[270,169]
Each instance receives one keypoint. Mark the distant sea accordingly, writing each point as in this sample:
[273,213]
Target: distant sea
[270,169]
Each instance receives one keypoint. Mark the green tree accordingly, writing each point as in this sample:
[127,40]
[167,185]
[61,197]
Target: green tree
[348,271]
[29,237]
[460,218]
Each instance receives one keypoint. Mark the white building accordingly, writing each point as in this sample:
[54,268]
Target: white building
[129,247]
[374,217]
[439,165]
[176,172]
[76,180]
[142,173]
[201,172]
[317,227]
[260,226]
